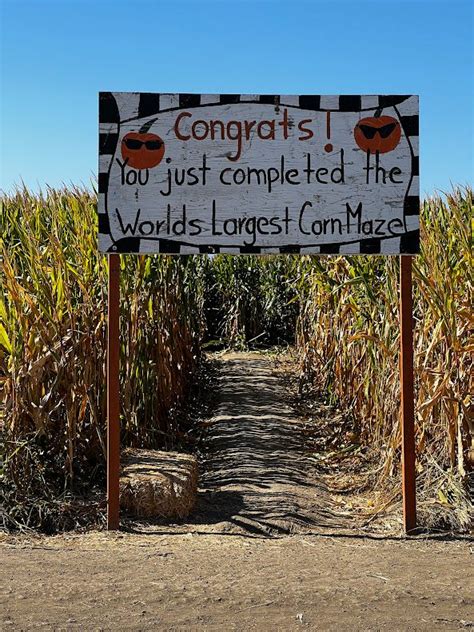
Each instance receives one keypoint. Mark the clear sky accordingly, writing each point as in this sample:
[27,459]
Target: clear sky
[57,54]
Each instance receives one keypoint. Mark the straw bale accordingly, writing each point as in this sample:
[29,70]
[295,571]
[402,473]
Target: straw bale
[156,484]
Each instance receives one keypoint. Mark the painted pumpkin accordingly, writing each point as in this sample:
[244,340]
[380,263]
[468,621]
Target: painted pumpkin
[142,149]
[377,134]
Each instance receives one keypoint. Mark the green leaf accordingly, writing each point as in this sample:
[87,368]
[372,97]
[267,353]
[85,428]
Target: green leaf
[4,339]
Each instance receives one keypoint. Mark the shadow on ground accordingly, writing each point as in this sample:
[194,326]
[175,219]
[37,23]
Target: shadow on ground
[257,472]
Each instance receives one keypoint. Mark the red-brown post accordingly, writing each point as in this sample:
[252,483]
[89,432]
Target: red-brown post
[407,394]
[113,401]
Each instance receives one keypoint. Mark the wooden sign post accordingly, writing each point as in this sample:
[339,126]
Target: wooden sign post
[113,390]
[259,174]
[407,395]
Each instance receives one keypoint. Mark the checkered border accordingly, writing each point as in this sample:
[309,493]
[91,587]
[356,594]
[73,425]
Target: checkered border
[120,107]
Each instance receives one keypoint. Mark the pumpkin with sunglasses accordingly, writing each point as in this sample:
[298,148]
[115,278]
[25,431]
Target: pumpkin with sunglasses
[377,134]
[142,150]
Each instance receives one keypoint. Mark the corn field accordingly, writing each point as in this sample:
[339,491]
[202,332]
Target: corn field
[52,357]
[348,340]
[251,301]
[340,312]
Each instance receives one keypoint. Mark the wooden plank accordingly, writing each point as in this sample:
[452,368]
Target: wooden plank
[252,172]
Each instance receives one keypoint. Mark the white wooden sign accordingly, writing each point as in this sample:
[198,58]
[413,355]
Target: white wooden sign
[195,173]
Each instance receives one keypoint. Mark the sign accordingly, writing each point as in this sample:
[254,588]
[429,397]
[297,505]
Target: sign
[195,173]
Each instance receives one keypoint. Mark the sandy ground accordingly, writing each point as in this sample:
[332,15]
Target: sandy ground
[267,547]
[104,581]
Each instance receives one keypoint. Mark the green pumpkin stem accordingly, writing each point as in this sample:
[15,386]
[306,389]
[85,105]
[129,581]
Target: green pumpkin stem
[146,126]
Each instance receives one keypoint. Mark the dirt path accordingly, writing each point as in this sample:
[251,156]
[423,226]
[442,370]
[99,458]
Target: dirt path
[104,581]
[266,548]
[258,475]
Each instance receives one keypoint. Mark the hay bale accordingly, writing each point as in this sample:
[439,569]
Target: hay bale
[155,484]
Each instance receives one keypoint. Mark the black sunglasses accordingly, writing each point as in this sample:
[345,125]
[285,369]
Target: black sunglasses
[385,131]
[152,145]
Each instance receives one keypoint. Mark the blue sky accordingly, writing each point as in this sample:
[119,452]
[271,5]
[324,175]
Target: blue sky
[57,54]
